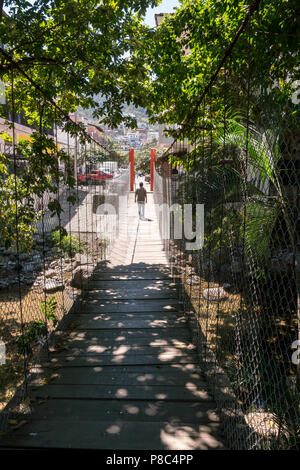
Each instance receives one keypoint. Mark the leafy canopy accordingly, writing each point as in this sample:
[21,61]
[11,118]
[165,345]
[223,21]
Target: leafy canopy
[187,48]
[74,50]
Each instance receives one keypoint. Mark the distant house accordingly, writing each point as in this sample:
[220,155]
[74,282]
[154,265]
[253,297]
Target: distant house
[96,132]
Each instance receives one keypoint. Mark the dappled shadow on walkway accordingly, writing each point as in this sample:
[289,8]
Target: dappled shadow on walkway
[122,372]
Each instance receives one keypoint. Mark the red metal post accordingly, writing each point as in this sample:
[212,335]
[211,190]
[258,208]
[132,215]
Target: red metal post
[153,156]
[131,162]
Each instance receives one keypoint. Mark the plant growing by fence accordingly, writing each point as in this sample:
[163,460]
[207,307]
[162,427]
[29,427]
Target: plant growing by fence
[65,244]
[37,331]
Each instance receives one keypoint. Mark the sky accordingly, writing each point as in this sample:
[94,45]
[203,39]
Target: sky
[166,6]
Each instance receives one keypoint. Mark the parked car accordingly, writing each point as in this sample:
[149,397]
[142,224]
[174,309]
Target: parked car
[95,177]
[108,171]
[147,178]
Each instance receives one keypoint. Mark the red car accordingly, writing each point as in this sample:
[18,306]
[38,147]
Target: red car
[96,176]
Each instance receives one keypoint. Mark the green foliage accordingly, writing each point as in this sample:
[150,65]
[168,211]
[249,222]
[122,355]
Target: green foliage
[67,245]
[38,330]
[142,160]
[75,50]
[260,220]
[36,174]
[187,48]
[16,211]
[224,232]
[48,308]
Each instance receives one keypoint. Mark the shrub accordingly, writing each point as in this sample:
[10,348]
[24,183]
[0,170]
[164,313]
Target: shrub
[67,245]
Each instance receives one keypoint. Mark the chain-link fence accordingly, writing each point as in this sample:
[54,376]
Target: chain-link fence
[241,289]
[60,226]
[236,155]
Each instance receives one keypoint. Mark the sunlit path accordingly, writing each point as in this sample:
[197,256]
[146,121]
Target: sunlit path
[124,373]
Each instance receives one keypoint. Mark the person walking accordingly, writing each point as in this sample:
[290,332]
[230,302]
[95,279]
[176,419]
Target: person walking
[141,198]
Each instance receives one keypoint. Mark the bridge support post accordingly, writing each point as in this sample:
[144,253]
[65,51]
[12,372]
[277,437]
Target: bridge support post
[131,163]
[153,156]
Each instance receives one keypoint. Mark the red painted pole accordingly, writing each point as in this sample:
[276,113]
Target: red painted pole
[153,156]
[131,162]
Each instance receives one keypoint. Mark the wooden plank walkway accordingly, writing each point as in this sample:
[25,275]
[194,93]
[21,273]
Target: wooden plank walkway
[127,375]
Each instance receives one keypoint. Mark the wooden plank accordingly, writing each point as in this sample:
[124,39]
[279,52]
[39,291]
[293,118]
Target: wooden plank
[76,358]
[141,345]
[158,352]
[147,411]
[122,392]
[155,336]
[135,268]
[123,375]
[87,321]
[160,347]
[126,375]
[117,434]
[149,305]
[129,276]
[129,283]
[132,294]
[160,315]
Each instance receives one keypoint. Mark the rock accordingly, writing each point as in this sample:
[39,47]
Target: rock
[209,266]
[81,259]
[264,424]
[24,256]
[53,286]
[80,276]
[227,286]
[9,251]
[11,266]
[54,264]
[28,267]
[192,280]
[51,273]
[39,266]
[4,284]
[236,267]
[215,293]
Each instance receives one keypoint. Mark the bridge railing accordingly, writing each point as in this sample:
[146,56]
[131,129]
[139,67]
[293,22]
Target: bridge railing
[231,182]
[239,283]
[59,229]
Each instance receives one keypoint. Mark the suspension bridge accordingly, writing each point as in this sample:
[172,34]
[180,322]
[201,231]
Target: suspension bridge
[123,372]
[113,336]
